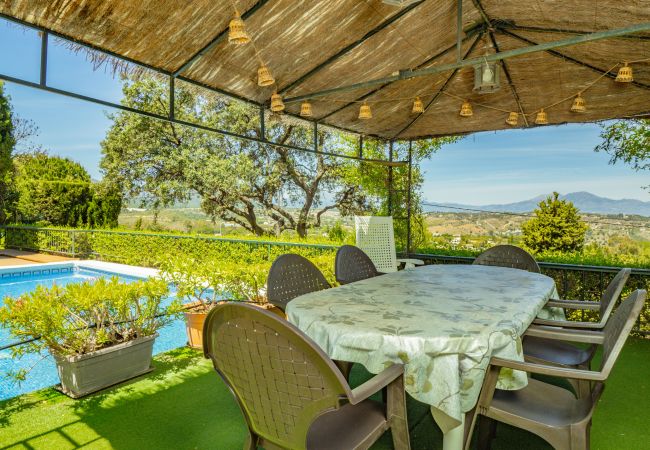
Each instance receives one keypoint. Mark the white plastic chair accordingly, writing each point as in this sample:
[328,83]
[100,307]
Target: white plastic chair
[376,237]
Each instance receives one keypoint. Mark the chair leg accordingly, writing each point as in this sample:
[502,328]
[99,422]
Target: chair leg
[345,367]
[251,441]
[580,436]
[396,414]
[486,432]
[583,387]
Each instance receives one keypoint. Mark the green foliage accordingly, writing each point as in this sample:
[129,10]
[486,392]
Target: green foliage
[382,200]
[556,227]
[7,144]
[58,191]
[627,141]
[162,163]
[84,317]
[336,233]
[156,250]
[204,282]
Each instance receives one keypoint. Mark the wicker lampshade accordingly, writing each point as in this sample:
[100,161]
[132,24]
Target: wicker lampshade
[365,112]
[579,105]
[466,109]
[277,105]
[264,77]
[513,119]
[625,74]
[418,106]
[541,118]
[237,31]
[305,109]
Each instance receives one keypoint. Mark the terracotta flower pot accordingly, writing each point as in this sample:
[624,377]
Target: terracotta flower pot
[194,321]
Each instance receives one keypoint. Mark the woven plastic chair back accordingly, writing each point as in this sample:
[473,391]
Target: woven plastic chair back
[618,328]
[612,293]
[508,256]
[291,276]
[280,378]
[376,237]
[352,264]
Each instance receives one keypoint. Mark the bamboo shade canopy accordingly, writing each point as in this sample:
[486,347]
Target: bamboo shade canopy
[316,45]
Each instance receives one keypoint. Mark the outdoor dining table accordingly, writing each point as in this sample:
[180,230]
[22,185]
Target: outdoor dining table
[443,322]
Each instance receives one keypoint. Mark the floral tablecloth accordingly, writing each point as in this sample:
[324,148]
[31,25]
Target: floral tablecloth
[443,322]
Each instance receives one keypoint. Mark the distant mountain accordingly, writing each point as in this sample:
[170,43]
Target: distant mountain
[584,201]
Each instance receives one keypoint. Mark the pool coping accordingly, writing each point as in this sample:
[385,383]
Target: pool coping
[119,269]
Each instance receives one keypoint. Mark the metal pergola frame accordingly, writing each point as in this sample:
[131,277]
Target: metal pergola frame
[494,57]
[42,85]
[485,27]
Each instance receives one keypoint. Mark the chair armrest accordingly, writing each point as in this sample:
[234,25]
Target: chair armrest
[376,383]
[563,334]
[552,371]
[570,324]
[417,262]
[573,304]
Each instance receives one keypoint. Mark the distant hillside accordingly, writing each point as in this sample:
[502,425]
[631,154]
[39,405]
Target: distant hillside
[584,201]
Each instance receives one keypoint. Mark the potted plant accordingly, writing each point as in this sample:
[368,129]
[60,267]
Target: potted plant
[100,333]
[202,284]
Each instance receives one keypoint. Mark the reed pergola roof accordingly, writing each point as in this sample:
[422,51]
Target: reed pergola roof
[317,45]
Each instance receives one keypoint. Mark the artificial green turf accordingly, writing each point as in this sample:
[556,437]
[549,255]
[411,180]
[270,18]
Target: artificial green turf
[184,405]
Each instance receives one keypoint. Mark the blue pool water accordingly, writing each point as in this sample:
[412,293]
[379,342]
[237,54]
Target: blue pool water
[43,374]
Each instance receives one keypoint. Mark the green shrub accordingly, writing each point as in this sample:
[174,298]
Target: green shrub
[84,317]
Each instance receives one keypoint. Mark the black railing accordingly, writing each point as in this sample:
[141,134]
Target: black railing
[575,282]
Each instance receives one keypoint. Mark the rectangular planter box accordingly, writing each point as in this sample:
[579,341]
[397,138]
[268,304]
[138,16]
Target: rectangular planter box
[85,374]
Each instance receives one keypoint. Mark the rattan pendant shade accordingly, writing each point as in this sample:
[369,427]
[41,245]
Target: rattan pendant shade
[625,74]
[237,31]
[418,106]
[579,105]
[305,109]
[513,119]
[264,77]
[277,105]
[541,118]
[466,109]
[365,112]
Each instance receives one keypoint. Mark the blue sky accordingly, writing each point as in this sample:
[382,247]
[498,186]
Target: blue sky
[492,167]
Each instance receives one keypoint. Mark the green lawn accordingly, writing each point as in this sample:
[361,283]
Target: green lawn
[184,405]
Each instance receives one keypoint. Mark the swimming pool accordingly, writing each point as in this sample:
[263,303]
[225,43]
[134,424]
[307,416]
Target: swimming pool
[17,280]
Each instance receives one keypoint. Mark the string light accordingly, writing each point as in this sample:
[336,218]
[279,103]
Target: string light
[466,109]
[277,105]
[305,109]
[579,104]
[418,106]
[541,118]
[625,74]
[513,119]
[364,112]
[237,31]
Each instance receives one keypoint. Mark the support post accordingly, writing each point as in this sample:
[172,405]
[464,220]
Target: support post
[44,40]
[262,124]
[459,30]
[360,146]
[315,136]
[172,98]
[390,179]
[408,200]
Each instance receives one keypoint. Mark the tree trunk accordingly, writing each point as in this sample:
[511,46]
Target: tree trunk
[301,229]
